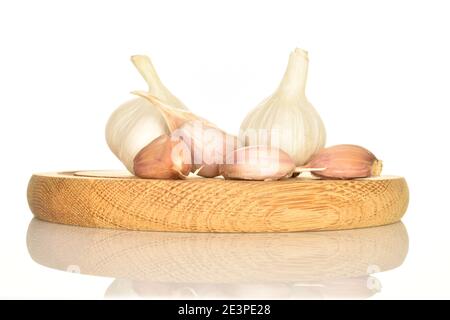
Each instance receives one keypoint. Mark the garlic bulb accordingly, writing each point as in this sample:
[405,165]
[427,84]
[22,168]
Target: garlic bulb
[136,123]
[286,119]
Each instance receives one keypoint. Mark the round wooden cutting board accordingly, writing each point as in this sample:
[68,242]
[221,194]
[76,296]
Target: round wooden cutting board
[108,199]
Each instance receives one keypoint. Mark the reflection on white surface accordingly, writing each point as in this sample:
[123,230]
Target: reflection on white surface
[332,264]
[359,288]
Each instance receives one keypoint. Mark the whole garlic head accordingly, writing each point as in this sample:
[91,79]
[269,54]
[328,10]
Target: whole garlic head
[286,119]
[136,123]
[131,127]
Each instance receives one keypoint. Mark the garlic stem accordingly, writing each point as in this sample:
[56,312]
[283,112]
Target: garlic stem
[294,79]
[147,71]
[155,87]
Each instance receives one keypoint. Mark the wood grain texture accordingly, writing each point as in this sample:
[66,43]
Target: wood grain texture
[216,205]
[174,257]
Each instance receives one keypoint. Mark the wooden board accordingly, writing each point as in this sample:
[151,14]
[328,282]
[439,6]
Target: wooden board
[118,201]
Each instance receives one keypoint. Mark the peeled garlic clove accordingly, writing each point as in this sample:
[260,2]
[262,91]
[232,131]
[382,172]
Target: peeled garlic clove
[345,161]
[258,163]
[163,158]
[287,119]
[137,122]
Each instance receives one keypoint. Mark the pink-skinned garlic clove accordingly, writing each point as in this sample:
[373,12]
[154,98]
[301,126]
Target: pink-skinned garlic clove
[208,145]
[345,161]
[164,158]
[258,163]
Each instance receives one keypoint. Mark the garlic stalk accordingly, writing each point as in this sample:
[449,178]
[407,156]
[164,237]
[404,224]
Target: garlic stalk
[155,87]
[287,119]
[136,123]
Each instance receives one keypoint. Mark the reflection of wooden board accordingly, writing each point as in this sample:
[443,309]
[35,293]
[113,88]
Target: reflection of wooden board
[114,200]
[174,257]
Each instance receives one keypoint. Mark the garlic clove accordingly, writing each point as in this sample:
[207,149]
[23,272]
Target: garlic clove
[258,163]
[155,87]
[209,146]
[345,161]
[205,143]
[163,158]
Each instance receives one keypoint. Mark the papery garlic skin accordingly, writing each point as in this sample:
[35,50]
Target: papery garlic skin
[287,119]
[136,123]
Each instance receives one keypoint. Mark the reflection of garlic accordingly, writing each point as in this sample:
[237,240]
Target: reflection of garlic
[136,123]
[286,119]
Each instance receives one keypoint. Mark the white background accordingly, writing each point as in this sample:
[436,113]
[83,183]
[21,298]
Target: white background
[379,76]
